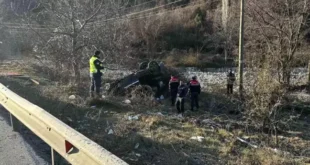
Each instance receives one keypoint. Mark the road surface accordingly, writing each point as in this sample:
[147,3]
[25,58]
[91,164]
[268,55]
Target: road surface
[22,148]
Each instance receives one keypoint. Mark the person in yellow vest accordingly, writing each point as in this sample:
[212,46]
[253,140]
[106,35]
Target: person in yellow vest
[95,67]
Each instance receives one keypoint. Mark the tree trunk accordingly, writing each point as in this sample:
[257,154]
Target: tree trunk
[77,73]
[286,76]
[76,60]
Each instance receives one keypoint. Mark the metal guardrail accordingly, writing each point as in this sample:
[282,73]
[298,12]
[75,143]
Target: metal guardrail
[67,142]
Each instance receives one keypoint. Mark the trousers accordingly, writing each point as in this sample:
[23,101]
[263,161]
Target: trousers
[180,104]
[95,83]
[230,88]
[173,94]
[194,101]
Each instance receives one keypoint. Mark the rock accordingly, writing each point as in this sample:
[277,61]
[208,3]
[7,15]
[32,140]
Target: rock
[139,155]
[198,138]
[103,96]
[127,101]
[162,97]
[160,114]
[72,97]
[110,132]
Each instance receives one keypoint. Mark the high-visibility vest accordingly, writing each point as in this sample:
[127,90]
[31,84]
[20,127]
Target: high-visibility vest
[92,67]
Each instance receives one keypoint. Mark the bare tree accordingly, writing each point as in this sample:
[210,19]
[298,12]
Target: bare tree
[69,23]
[279,27]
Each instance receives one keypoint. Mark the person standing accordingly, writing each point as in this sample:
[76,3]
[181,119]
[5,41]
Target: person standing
[231,78]
[195,90]
[173,88]
[95,68]
[182,92]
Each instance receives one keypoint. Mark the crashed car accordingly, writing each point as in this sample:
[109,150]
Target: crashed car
[150,73]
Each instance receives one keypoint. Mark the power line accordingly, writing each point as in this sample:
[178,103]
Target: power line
[98,15]
[99,23]
[135,13]
[150,15]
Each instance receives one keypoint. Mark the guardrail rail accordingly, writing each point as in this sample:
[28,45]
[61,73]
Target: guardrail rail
[64,140]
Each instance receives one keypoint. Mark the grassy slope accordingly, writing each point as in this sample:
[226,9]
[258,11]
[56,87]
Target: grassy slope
[164,139]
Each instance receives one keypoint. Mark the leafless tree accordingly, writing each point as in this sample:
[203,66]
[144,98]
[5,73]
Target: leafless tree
[278,27]
[68,27]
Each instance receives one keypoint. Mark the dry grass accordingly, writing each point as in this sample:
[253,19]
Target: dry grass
[190,60]
[186,60]
[265,157]
[165,139]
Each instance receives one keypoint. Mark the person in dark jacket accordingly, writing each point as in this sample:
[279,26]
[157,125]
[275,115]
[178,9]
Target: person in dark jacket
[95,68]
[182,92]
[173,87]
[195,89]
[231,78]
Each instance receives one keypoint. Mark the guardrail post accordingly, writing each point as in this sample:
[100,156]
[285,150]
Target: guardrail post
[56,158]
[14,123]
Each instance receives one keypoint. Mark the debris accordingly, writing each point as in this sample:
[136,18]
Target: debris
[93,106]
[137,146]
[246,137]
[110,132]
[139,155]
[103,96]
[106,112]
[277,151]
[127,101]
[34,81]
[198,138]
[69,119]
[243,141]
[107,86]
[72,97]
[210,123]
[133,117]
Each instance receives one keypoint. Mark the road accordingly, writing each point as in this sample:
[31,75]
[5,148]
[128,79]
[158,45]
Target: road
[20,148]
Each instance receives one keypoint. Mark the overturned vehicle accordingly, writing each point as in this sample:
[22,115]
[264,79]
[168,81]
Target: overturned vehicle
[152,75]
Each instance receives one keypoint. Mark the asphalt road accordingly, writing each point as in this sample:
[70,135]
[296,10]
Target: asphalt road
[20,148]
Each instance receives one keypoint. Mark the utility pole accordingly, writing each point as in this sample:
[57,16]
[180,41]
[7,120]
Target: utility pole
[241,53]
[225,6]
[308,73]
